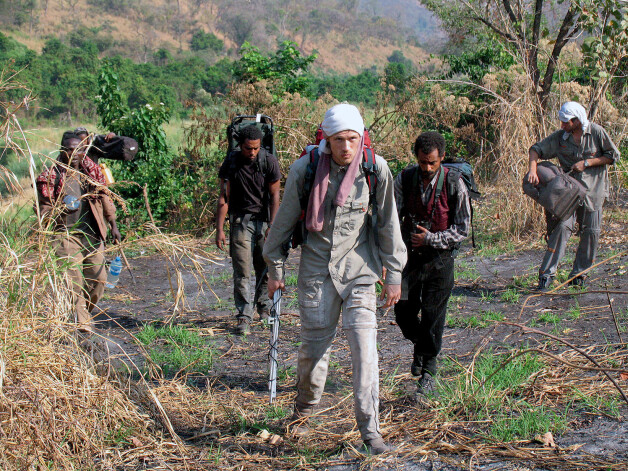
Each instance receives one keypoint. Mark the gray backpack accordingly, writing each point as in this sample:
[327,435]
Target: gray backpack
[558,192]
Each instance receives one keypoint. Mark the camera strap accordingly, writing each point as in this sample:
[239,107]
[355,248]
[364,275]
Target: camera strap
[437,190]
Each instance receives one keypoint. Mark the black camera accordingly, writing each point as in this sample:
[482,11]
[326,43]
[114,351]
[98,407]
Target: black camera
[425,224]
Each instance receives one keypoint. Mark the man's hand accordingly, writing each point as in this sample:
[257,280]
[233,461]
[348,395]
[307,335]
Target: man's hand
[221,240]
[115,233]
[266,233]
[391,293]
[418,240]
[533,177]
[578,166]
[109,136]
[274,285]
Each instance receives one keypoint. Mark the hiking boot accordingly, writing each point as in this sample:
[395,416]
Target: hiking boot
[545,281]
[426,385]
[298,425]
[578,281]
[377,446]
[264,315]
[243,327]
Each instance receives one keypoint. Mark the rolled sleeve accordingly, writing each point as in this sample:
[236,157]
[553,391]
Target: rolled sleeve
[285,221]
[392,249]
[548,147]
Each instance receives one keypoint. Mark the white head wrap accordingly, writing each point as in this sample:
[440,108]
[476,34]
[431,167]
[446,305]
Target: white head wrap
[342,117]
[572,109]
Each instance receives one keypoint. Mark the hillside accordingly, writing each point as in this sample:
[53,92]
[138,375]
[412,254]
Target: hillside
[349,35]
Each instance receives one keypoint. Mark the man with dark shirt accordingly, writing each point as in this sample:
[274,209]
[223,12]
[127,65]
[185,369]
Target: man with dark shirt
[249,192]
[435,214]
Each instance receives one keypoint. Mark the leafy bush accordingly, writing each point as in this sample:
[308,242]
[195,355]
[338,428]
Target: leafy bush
[201,41]
[287,66]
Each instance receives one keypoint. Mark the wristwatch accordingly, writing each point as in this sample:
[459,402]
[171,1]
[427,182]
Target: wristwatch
[586,163]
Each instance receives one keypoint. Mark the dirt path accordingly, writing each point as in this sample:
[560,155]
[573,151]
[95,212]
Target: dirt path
[491,288]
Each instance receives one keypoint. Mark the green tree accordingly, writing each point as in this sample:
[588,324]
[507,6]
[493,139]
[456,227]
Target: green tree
[518,25]
[153,166]
[202,41]
[287,65]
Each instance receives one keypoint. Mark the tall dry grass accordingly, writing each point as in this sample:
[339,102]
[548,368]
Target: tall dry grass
[63,404]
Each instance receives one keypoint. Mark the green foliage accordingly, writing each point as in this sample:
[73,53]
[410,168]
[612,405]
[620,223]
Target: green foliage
[175,349]
[526,423]
[153,166]
[398,70]
[494,392]
[511,295]
[201,41]
[286,65]
[489,56]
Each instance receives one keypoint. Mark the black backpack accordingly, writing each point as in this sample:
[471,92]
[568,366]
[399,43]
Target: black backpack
[261,121]
[299,235]
[117,148]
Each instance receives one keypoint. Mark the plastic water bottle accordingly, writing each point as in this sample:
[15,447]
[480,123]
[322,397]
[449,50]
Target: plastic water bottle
[115,267]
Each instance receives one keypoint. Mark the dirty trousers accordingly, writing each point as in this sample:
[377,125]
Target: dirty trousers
[428,293]
[320,306]
[246,242]
[589,223]
[87,273]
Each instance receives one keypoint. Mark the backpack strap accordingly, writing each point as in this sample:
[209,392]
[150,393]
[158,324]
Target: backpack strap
[370,170]
[452,193]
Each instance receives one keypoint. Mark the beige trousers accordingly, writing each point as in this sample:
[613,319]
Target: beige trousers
[320,306]
[86,269]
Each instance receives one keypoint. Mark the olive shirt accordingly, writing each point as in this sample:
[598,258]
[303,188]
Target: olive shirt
[595,142]
[345,247]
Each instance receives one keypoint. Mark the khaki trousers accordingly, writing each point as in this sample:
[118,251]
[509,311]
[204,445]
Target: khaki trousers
[86,269]
[320,305]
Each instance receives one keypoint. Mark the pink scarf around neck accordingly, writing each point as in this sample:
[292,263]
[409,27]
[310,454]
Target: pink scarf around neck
[315,215]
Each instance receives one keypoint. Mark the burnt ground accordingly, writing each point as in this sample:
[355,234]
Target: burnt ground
[492,284]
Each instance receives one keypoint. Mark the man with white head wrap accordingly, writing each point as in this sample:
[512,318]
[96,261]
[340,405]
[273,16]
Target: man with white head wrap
[339,266]
[585,150]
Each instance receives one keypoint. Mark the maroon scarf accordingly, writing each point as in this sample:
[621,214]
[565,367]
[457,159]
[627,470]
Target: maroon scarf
[316,207]
[49,187]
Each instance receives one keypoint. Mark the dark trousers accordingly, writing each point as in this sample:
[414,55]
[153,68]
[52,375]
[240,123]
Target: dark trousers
[429,284]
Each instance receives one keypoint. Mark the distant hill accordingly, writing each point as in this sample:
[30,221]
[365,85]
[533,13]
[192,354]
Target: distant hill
[349,35]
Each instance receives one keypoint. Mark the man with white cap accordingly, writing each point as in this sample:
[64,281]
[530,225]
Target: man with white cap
[585,150]
[340,264]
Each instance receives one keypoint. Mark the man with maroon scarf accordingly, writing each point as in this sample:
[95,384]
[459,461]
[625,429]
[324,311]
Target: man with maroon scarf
[434,210]
[73,192]
[340,265]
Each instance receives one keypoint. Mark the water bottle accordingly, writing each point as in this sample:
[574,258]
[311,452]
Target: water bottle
[115,267]
[72,203]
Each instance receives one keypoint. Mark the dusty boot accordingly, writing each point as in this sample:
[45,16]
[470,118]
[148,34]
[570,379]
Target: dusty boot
[579,281]
[243,327]
[377,446]
[264,315]
[545,281]
[426,386]
[298,425]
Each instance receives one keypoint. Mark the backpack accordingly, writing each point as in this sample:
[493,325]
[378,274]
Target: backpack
[117,148]
[458,169]
[261,121]
[299,235]
[559,193]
